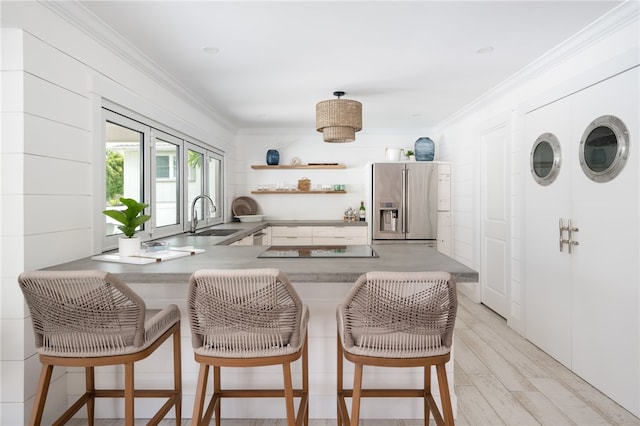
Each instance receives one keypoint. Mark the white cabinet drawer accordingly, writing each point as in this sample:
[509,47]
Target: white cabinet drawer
[339,241]
[291,231]
[318,235]
[340,231]
[291,241]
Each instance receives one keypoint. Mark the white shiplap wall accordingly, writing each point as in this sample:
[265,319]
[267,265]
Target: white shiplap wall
[54,78]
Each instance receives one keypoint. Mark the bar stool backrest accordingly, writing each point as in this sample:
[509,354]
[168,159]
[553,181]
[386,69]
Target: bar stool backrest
[83,313]
[399,314]
[245,313]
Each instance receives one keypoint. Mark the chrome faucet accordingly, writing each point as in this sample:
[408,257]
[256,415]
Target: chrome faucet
[194,213]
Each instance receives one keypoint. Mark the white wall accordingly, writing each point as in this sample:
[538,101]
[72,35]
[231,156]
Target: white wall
[54,78]
[607,47]
[307,144]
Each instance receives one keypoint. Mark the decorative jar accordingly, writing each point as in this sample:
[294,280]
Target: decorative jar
[424,149]
[273,157]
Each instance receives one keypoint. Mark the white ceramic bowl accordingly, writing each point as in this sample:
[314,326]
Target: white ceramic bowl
[251,218]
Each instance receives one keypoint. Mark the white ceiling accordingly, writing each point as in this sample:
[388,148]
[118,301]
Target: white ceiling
[411,64]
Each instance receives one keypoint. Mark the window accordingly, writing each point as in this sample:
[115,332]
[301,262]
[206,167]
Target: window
[160,168]
[166,189]
[205,177]
[124,144]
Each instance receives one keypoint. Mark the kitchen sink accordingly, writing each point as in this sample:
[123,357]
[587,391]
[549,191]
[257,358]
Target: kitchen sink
[215,232]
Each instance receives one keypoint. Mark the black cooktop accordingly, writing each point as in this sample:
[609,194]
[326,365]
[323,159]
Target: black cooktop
[320,251]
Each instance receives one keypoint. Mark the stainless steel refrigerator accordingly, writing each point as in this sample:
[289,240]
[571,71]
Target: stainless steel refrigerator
[405,202]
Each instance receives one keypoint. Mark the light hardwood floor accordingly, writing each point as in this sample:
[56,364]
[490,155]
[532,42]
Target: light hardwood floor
[500,379]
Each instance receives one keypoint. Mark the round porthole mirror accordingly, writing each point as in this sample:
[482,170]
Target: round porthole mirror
[545,159]
[604,148]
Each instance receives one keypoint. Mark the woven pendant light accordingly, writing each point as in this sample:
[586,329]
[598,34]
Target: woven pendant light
[339,119]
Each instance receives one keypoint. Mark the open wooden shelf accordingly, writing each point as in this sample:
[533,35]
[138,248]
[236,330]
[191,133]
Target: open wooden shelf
[299,166]
[298,192]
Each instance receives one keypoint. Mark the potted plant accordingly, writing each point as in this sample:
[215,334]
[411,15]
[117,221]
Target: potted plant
[409,154]
[130,218]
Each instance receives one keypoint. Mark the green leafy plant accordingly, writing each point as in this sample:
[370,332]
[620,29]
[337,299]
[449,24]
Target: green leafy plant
[409,153]
[131,217]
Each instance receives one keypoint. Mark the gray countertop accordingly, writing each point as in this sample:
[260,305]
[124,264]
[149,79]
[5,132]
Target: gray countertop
[392,257]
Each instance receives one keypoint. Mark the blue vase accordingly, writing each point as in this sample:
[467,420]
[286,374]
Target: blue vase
[424,149]
[273,157]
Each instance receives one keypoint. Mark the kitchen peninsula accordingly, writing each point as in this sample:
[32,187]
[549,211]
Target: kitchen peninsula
[219,254]
[322,284]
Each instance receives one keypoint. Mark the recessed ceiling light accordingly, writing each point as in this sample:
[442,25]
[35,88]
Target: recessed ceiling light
[485,50]
[210,50]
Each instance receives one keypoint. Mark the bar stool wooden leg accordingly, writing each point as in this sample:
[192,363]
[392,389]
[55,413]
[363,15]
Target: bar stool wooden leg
[217,388]
[445,397]
[305,377]
[41,394]
[288,394]
[427,394]
[201,391]
[129,409]
[355,399]
[339,381]
[90,389]
[177,374]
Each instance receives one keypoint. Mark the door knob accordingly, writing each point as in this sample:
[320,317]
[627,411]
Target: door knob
[571,230]
[561,229]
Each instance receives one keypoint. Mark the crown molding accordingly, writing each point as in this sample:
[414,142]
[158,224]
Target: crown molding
[625,14]
[77,15]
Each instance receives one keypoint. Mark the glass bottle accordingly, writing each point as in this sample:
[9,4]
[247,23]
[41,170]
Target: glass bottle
[362,212]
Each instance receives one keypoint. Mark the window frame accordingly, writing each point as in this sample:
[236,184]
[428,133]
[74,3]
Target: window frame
[152,130]
[166,230]
[205,188]
[120,120]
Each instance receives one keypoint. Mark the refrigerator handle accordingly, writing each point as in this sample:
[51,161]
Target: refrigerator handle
[405,200]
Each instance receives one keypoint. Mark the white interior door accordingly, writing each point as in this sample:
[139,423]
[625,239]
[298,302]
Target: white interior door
[547,271]
[606,277]
[583,308]
[495,219]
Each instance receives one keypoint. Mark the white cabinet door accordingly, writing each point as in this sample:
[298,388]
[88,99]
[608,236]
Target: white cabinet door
[444,245]
[444,187]
[266,240]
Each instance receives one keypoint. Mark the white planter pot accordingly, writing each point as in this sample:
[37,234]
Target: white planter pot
[129,246]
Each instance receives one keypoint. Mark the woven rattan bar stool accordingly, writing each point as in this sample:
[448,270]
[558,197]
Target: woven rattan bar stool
[247,318]
[397,319]
[91,319]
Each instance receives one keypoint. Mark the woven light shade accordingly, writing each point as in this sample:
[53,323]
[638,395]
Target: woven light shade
[339,119]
